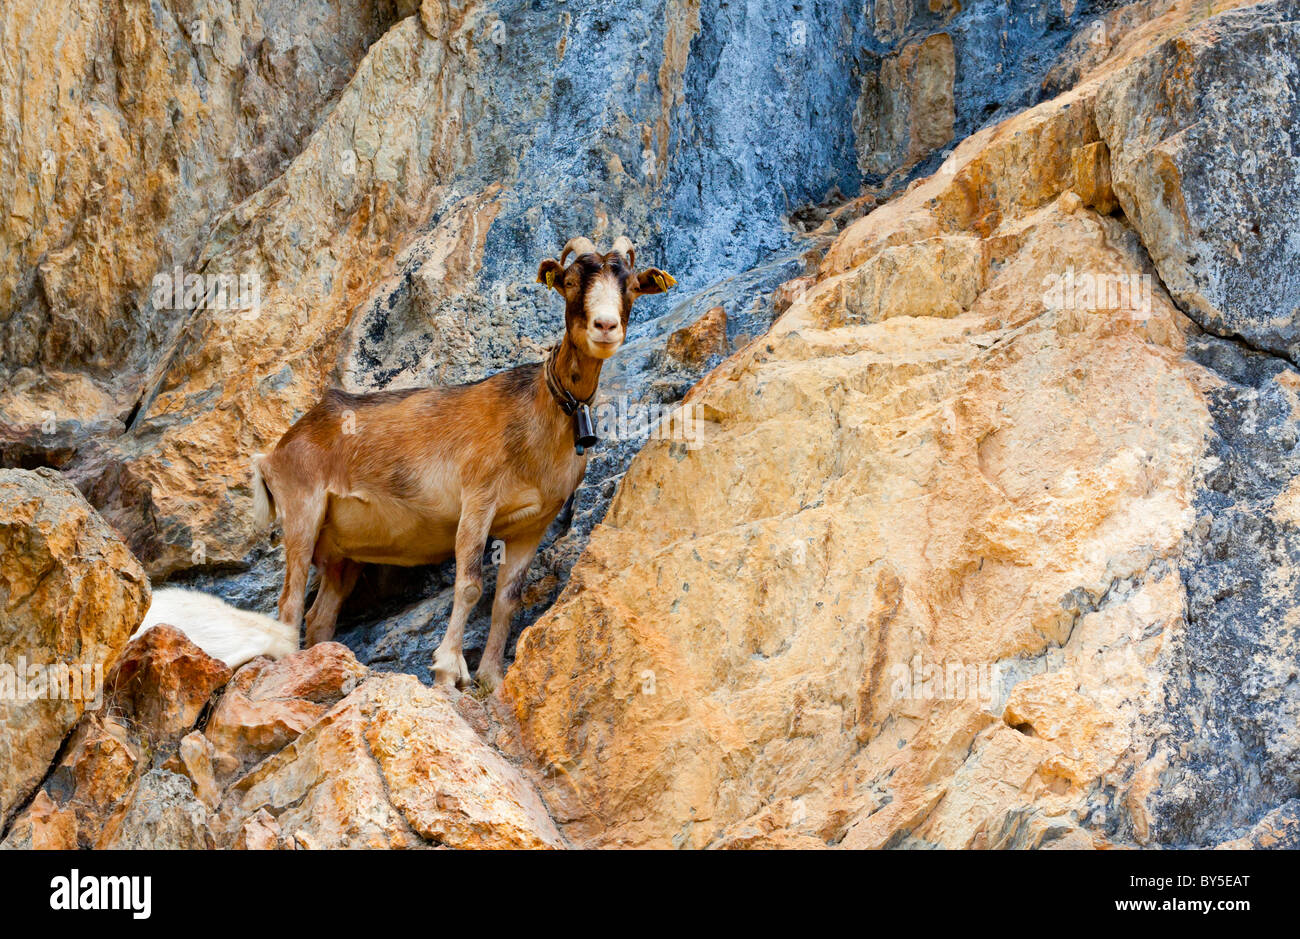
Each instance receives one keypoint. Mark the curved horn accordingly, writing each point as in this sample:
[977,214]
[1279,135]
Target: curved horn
[623,245]
[579,246]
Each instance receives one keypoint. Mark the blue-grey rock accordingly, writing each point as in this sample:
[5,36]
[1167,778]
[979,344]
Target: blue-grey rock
[1204,136]
[1233,694]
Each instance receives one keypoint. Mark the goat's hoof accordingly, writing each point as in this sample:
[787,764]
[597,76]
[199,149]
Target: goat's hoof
[451,671]
[489,679]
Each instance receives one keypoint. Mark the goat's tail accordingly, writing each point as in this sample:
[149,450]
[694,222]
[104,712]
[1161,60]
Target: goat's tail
[263,499]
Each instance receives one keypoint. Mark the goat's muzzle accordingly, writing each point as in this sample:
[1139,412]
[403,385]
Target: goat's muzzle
[603,305]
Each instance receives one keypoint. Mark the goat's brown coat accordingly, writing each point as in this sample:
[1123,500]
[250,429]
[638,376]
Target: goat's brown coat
[420,476]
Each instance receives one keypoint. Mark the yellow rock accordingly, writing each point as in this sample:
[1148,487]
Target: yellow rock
[70,595]
[392,765]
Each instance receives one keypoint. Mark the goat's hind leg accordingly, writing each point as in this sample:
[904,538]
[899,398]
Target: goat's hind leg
[301,522]
[337,578]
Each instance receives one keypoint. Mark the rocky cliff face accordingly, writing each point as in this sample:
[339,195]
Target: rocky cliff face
[987,313]
[972,558]
[377,182]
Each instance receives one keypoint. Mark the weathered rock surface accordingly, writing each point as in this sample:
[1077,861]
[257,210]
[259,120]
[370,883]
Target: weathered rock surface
[947,571]
[307,752]
[394,766]
[163,682]
[84,797]
[1278,829]
[1203,135]
[766,661]
[906,110]
[111,787]
[70,595]
[129,127]
[157,746]
[271,703]
[693,345]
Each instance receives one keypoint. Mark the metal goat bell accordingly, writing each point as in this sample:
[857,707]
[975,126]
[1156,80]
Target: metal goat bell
[584,432]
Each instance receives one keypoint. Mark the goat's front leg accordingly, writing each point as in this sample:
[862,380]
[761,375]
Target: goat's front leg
[510,587]
[449,666]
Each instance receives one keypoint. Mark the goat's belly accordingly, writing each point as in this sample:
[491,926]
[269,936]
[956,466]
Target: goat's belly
[386,531]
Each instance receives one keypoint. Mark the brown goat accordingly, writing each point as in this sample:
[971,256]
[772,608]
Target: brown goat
[419,476]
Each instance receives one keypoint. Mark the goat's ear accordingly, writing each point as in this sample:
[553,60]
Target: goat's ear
[550,273]
[653,280]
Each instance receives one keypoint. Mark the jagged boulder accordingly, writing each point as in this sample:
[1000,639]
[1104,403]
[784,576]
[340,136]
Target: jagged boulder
[1202,135]
[393,765]
[70,595]
[165,749]
[162,684]
[110,788]
[270,703]
[311,751]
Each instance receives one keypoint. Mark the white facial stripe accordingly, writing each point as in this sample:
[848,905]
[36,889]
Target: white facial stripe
[603,300]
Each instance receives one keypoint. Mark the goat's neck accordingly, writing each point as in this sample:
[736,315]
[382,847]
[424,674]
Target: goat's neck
[578,373]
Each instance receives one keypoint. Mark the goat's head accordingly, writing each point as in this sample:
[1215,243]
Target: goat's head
[599,290]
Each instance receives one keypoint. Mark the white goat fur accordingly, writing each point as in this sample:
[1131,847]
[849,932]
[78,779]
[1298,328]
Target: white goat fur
[222,631]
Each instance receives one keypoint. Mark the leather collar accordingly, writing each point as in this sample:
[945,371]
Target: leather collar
[584,431]
[563,396]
